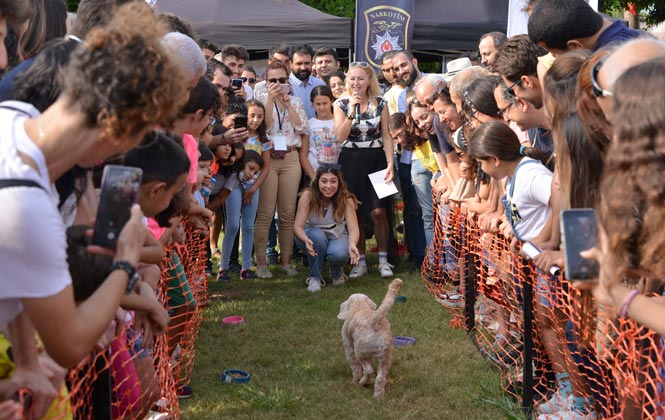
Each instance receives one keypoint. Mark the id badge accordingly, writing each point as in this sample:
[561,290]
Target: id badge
[279,142]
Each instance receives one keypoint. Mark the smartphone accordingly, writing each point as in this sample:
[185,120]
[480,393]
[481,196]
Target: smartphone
[285,88]
[120,191]
[240,122]
[236,84]
[579,232]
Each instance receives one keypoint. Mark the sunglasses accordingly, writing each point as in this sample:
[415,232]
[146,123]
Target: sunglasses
[596,90]
[251,80]
[361,64]
[330,166]
[510,90]
[281,80]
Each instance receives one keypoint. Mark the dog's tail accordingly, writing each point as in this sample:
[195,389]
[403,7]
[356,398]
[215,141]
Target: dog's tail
[388,301]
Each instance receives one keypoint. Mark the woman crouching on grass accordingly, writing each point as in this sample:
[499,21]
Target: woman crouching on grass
[326,226]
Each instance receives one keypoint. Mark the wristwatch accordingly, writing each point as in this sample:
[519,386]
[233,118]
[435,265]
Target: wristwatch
[131,272]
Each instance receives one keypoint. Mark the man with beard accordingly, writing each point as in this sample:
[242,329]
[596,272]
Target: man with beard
[387,70]
[301,80]
[406,73]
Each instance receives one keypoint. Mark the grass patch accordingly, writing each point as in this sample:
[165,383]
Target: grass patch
[290,344]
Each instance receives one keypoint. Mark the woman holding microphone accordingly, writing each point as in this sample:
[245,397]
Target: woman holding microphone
[361,124]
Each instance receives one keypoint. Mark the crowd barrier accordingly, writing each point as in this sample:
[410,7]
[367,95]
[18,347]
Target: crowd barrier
[124,381]
[513,313]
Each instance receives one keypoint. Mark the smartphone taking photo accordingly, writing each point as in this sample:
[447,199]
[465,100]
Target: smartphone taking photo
[236,84]
[284,88]
[579,232]
[240,122]
[120,191]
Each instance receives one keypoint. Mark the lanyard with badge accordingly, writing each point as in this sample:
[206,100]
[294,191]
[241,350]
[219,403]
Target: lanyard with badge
[280,139]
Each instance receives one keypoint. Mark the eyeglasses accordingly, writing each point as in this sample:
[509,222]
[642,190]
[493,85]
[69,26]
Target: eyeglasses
[281,80]
[510,89]
[361,64]
[251,80]
[596,90]
[329,166]
[430,100]
[502,111]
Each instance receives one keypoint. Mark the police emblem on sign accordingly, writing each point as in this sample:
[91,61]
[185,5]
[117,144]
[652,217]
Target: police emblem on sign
[386,30]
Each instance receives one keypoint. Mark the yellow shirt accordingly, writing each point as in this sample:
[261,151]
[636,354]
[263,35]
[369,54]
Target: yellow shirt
[426,156]
[391,97]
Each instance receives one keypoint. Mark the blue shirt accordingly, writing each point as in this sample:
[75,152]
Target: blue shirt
[7,82]
[616,32]
[303,91]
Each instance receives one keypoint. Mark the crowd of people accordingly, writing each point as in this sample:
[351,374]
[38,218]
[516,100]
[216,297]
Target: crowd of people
[565,117]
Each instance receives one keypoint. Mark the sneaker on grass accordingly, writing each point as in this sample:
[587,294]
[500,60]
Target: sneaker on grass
[223,276]
[263,272]
[339,280]
[289,270]
[184,392]
[247,274]
[385,269]
[358,271]
[570,413]
[556,403]
[313,284]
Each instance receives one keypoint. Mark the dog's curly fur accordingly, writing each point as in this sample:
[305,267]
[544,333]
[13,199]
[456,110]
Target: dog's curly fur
[366,336]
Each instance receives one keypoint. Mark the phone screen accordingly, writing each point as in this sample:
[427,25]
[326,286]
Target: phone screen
[579,231]
[236,83]
[285,88]
[120,190]
[240,122]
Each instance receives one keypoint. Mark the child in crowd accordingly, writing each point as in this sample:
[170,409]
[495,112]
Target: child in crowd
[165,166]
[203,174]
[236,209]
[320,144]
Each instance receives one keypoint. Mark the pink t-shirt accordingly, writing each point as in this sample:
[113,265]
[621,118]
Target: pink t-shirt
[192,149]
[154,228]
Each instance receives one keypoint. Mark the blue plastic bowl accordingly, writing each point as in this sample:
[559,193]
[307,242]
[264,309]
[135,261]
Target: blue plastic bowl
[235,376]
[400,340]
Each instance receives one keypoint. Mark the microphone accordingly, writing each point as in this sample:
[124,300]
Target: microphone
[358,113]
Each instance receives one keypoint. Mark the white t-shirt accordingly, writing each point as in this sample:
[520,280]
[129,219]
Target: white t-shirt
[530,197]
[33,243]
[323,145]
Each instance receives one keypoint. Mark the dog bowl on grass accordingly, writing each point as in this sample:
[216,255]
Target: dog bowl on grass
[233,320]
[235,376]
[399,340]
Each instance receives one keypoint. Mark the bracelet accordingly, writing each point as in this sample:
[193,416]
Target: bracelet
[350,117]
[623,309]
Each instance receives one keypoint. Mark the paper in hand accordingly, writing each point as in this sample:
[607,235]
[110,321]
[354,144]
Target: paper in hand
[382,188]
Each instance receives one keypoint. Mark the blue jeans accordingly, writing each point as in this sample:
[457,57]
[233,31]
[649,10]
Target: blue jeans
[335,250]
[421,177]
[414,235]
[235,212]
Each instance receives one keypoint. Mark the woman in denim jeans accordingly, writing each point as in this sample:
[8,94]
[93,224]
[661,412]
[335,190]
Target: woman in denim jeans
[326,226]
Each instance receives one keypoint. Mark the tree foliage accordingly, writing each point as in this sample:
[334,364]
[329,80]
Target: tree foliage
[343,8]
[652,10]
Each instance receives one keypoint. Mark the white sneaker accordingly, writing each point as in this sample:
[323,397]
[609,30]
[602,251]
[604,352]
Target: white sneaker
[263,272]
[569,413]
[385,269]
[313,284]
[154,415]
[358,271]
[556,403]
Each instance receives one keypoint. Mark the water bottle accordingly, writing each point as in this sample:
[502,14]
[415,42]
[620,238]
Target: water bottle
[206,190]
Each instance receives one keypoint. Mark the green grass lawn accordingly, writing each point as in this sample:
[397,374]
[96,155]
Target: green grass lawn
[290,343]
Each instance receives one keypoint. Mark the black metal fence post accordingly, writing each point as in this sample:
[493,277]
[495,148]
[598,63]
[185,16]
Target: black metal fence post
[528,350]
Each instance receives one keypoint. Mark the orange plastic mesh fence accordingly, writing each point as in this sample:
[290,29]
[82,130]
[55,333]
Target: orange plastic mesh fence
[124,380]
[506,304]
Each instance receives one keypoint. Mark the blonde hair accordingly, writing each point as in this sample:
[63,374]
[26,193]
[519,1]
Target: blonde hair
[373,89]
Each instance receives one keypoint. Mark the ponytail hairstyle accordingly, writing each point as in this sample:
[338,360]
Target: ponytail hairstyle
[262,130]
[496,139]
[322,91]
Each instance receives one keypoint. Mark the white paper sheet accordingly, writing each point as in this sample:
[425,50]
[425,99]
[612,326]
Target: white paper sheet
[382,188]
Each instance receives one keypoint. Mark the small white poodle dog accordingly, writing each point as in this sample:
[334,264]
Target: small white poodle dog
[366,336]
